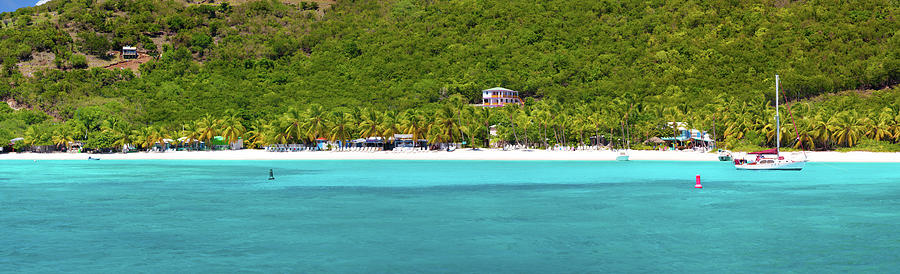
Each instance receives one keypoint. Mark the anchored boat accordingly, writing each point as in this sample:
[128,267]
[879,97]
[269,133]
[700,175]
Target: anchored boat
[724,155]
[771,159]
[622,155]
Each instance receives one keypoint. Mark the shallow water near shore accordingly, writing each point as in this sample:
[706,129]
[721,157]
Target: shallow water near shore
[445,216]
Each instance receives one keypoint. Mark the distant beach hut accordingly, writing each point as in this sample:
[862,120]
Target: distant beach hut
[129,52]
[321,144]
[375,142]
[237,144]
[404,140]
[361,142]
[655,140]
[218,143]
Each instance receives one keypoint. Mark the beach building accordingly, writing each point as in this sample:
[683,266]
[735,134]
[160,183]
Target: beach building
[407,141]
[321,144]
[237,144]
[371,142]
[219,143]
[129,52]
[688,138]
[498,97]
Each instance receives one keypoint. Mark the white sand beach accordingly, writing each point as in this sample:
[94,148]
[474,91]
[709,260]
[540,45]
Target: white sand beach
[461,154]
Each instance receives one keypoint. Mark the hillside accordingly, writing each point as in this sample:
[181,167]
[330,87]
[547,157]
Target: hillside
[257,59]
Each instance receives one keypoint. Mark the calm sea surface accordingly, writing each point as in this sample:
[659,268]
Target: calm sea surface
[445,216]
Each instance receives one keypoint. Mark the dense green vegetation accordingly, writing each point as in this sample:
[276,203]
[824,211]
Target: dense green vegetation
[845,120]
[585,65]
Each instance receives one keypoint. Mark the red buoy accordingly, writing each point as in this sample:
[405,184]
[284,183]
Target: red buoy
[698,185]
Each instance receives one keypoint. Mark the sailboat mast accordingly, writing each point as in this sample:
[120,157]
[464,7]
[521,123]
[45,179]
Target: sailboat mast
[777,120]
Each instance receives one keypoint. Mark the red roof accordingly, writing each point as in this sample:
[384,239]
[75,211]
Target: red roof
[768,151]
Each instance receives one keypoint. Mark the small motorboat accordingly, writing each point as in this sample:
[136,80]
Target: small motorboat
[724,155]
[93,159]
[622,155]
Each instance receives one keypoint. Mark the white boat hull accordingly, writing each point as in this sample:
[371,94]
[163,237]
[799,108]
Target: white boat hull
[622,158]
[778,165]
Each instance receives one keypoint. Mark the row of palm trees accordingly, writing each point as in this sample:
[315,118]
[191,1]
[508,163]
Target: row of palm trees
[540,124]
[821,129]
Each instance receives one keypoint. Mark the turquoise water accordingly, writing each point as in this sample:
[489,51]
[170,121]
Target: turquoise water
[445,216]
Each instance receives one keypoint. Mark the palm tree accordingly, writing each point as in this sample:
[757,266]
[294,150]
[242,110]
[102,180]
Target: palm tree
[820,130]
[524,121]
[232,128]
[483,114]
[207,128]
[429,123]
[444,126]
[390,124]
[846,128]
[261,134]
[62,138]
[672,115]
[154,135]
[458,102]
[370,124]
[412,122]
[189,134]
[510,114]
[294,125]
[543,119]
[119,130]
[316,122]
[595,119]
[341,124]
[769,130]
[806,139]
[896,128]
[143,137]
[881,128]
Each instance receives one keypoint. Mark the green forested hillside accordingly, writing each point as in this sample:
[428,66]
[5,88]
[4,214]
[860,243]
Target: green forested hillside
[704,61]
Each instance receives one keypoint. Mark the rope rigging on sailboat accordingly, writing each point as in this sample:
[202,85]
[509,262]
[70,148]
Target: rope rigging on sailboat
[786,101]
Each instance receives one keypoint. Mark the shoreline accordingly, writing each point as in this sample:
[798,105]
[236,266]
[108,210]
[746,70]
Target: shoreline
[461,154]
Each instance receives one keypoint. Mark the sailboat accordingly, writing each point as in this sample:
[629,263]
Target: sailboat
[771,159]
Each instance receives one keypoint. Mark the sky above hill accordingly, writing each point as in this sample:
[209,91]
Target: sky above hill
[12,5]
